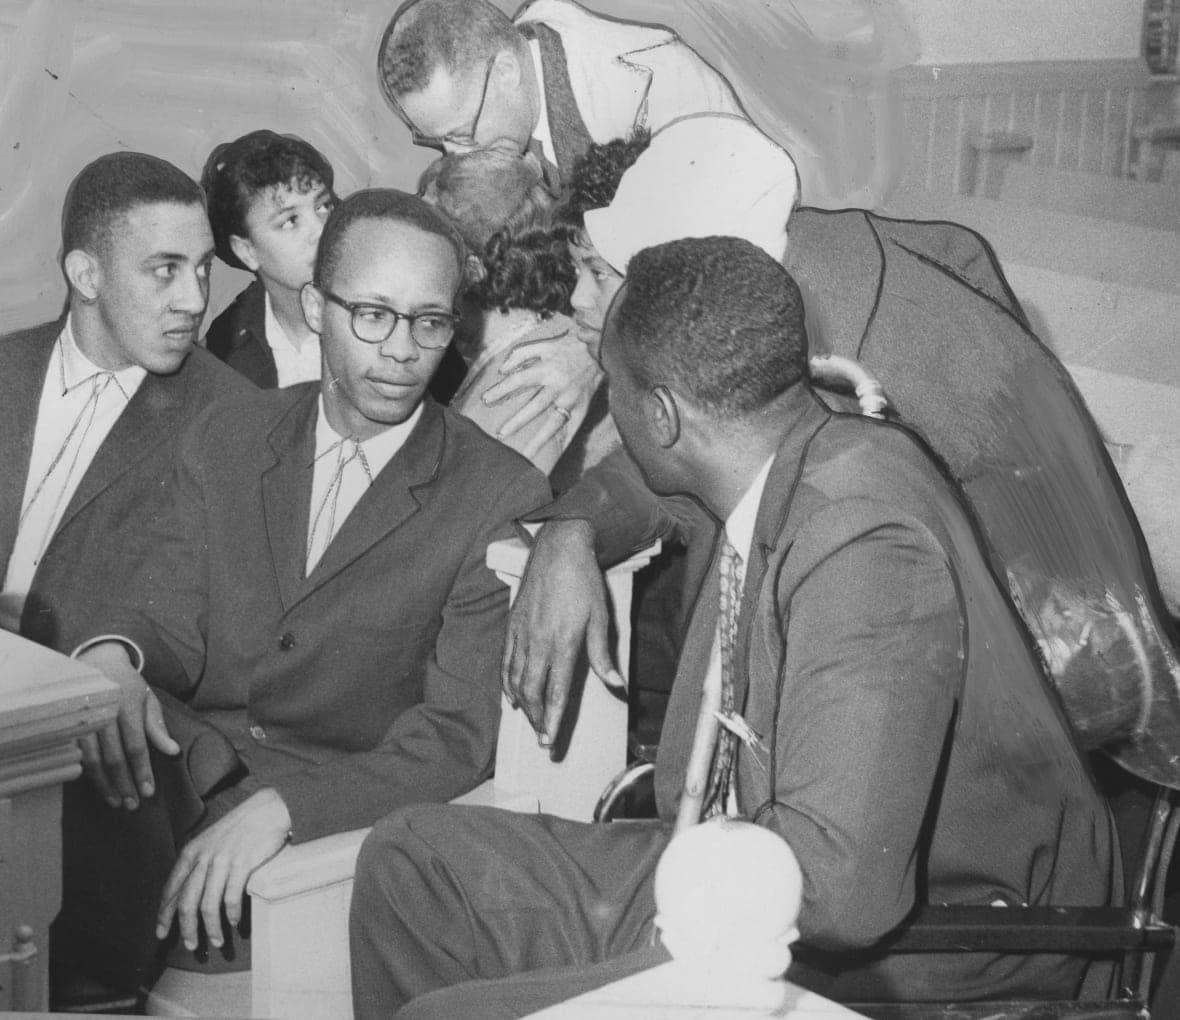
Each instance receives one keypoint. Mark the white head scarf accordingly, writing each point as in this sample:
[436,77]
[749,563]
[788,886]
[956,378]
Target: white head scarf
[701,176]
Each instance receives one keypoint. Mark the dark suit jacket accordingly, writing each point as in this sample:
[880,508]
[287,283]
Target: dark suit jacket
[93,541]
[914,752]
[927,310]
[238,337]
[375,681]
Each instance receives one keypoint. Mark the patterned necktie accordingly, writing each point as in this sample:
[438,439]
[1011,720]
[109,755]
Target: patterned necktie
[67,456]
[721,774]
[323,523]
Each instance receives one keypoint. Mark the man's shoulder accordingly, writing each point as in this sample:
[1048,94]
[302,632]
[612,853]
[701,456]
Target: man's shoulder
[478,454]
[853,459]
[28,345]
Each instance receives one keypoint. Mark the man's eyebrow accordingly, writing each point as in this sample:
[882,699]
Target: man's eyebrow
[166,256]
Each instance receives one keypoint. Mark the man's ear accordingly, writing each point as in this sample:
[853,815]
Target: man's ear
[663,415]
[313,307]
[244,250]
[84,273]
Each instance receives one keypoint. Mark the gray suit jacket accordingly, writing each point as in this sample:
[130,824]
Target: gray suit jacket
[93,545]
[374,681]
[914,752]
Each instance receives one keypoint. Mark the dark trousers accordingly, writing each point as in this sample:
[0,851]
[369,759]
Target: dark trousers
[445,895]
[115,862]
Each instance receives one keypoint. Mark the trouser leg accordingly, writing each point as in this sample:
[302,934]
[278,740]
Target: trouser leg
[114,865]
[446,894]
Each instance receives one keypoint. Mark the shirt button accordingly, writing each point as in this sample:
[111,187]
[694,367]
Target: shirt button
[287,642]
[257,732]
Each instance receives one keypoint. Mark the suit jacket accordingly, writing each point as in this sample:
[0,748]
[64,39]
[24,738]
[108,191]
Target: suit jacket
[95,538]
[372,683]
[238,337]
[626,76]
[925,307]
[913,751]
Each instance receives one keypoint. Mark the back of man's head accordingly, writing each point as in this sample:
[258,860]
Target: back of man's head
[110,187]
[380,204]
[716,319]
[426,34]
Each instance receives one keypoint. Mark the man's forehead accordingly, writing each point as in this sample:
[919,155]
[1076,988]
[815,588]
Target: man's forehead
[165,226]
[368,241]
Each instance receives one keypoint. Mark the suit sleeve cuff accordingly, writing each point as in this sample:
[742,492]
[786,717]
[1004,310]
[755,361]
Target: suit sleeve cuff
[136,653]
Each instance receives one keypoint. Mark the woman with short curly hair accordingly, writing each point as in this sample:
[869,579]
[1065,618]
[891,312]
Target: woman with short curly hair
[522,280]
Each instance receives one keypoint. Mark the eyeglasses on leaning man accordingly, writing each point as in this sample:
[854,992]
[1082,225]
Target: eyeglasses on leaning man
[374,324]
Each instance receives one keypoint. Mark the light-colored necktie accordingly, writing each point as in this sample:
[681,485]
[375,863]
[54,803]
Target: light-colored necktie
[721,774]
[66,457]
[324,523]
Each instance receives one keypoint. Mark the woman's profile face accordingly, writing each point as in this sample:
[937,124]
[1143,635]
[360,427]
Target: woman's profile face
[597,285]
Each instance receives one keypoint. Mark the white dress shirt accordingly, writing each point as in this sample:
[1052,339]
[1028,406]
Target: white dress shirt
[541,132]
[292,364]
[79,406]
[739,529]
[344,470]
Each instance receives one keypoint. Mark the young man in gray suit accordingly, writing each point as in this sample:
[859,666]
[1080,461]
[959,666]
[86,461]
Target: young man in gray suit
[311,615]
[92,405]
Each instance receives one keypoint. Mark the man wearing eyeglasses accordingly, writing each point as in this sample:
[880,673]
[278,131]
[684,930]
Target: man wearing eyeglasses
[312,617]
[462,75]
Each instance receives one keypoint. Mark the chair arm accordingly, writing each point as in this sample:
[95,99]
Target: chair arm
[305,867]
[1088,931]
[624,782]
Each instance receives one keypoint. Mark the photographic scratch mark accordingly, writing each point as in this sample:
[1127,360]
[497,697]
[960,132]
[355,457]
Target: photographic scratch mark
[55,77]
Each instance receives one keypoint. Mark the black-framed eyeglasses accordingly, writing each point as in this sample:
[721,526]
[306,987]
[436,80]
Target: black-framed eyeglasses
[463,139]
[374,324]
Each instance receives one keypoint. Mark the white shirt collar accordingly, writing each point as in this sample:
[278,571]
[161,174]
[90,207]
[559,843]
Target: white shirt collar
[541,132]
[292,364]
[378,450]
[276,335]
[739,525]
[76,368]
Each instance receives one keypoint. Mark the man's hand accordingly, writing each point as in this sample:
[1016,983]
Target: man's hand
[561,603]
[215,866]
[116,758]
[560,370]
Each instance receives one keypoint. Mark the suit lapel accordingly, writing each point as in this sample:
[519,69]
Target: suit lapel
[770,538]
[23,363]
[286,495]
[149,419]
[390,500]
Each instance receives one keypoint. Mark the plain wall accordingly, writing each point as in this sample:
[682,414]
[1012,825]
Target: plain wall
[984,31]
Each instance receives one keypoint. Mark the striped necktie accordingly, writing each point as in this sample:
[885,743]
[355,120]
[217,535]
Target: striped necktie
[721,774]
[324,523]
[66,457]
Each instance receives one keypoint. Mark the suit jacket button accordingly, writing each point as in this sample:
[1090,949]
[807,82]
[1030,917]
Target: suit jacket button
[257,732]
[287,642]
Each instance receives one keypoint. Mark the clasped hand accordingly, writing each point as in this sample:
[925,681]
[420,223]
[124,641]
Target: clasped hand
[561,371]
[215,865]
[560,605]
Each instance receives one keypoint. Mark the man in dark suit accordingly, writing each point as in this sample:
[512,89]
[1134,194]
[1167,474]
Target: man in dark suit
[462,75]
[313,601]
[910,750]
[92,406]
